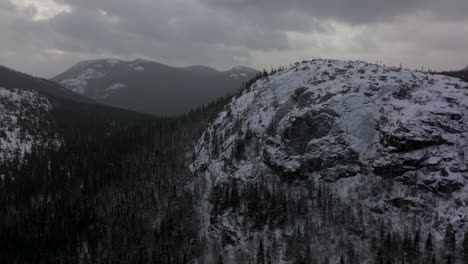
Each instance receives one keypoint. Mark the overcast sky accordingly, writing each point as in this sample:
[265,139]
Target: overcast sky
[44,37]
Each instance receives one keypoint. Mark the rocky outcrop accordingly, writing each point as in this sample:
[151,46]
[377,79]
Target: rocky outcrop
[392,140]
[312,125]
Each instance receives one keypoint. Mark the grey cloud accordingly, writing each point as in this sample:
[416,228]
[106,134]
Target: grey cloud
[355,11]
[167,21]
[223,33]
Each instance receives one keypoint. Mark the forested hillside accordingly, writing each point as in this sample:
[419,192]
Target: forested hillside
[112,195]
[102,185]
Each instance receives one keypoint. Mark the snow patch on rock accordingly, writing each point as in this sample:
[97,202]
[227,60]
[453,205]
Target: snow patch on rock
[116,86]
[139,68]
[80,83]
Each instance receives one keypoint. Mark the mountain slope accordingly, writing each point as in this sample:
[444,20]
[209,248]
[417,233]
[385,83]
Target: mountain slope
[23,117]
[151,87]
[37,113]
[327,159]
[109,192]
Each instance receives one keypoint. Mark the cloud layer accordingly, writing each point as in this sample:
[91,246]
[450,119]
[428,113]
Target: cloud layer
[44,37]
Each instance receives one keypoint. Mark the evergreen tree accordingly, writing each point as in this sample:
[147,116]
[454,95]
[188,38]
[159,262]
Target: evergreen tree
[239,149]
[449,259]
[429,247]
[449,240]
[415,252]
[379,259]
[260,252]
[351,254]
[407,245]
[235,199]
[464,247]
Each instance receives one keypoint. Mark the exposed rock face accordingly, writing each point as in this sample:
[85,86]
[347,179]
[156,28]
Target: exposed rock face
[312,125]
[393,141]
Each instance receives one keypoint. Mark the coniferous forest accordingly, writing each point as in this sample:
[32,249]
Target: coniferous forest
[110,193]
[116,190]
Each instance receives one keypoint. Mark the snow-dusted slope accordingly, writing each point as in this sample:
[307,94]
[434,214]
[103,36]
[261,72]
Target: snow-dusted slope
[151,87]
[392,141]
[24,121]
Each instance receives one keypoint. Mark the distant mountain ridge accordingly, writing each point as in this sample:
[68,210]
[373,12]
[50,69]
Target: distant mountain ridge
[151,87]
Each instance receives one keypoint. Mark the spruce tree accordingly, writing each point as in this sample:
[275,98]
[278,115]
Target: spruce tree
[379,257]
[449,259]
[465,248]
[449,240]
[429,247]
[415,252]
[260,252]
[235,199]
[351,254]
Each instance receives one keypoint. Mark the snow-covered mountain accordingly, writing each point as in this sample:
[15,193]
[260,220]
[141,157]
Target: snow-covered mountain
[327,159]
[151,87]
[465,69]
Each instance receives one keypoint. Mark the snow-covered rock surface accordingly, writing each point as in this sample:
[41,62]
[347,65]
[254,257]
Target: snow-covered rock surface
[24,119]
[393,141]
